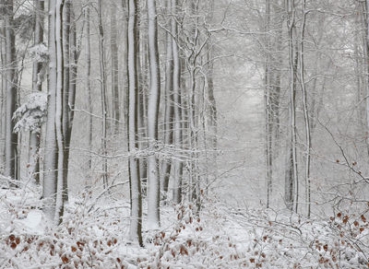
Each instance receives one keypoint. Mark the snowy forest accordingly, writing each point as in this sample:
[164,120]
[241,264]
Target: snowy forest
[184,134]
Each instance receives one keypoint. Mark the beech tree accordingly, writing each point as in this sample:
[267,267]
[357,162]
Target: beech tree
[152,120]
[177,104]
[88,80]
[53,139]
[11,89]
[103,87]
[114,67]
[291,181]
[61,96]
[134,172]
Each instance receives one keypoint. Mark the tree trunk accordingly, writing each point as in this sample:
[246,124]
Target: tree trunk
[134,177]
[88,84]
[103,98]
[59,111]
[268,108]
[178,131]
[52,182]
[11,138]
[153,215]
[115,69]
[291,181]
[2,99]
[169,106]
[70,59]
[124,87]
[306,114]
[367,66]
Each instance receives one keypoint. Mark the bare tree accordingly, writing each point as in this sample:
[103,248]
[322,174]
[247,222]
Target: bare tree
[152,121]
[134,172]
[306,112]
[268,108]
[177,103]
[88,79]
[114,68]
[70,60]
[11,78]
[103,97]
[169,104]
[52,155]
[291,176]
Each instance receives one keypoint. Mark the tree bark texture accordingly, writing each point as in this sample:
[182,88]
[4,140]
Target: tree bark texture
[134,176]
[11,78]
[152,120]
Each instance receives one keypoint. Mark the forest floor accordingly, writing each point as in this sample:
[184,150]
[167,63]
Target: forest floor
[94,234]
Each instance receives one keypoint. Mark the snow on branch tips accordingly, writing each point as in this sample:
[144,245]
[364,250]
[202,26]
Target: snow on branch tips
[39,53]
[32,113]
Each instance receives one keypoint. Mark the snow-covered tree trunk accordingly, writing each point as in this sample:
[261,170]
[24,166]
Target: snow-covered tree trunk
[178,131]
[52,181]
[11,138]
[134,177]
[291,176]
[67,64]
[153,216]
[169,105]
[142,78]
[306,113]
[70,59]
[59,111]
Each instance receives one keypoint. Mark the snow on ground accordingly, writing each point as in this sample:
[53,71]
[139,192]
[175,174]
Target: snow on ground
[94,234]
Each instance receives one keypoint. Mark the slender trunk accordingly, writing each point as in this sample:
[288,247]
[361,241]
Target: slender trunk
[367,65]
[153,215]
[115,70]
[88,84]
[169,108]
[268,109]
[103,98]
[52,181]
[134,176]
[69,86]
[11,138]
[124,87]
[59,110]
[291,185]
[2,101]
[306,113]
[178,131]
[142,67]
[66,92]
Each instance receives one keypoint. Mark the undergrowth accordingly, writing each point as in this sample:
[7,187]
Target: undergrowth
[216,237]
